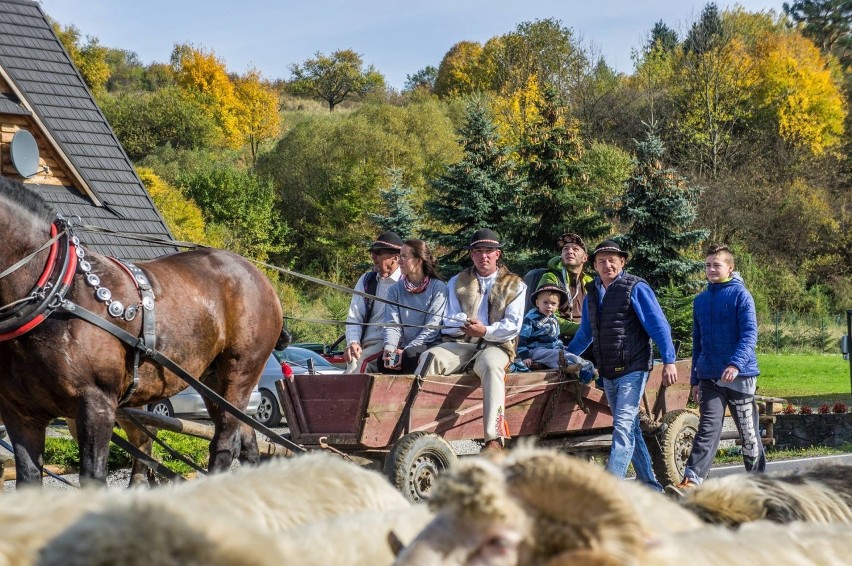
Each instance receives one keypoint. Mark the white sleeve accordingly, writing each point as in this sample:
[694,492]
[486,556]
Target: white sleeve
[508,327]
[356,313]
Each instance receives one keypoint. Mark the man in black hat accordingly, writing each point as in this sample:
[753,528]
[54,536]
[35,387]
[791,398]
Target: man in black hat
[485,307]
[566,271]
[364,343]
[620,316]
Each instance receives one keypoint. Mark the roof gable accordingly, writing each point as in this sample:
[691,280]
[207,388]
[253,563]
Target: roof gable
[48,92]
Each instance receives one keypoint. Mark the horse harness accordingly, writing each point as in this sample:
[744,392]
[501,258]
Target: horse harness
[48,296]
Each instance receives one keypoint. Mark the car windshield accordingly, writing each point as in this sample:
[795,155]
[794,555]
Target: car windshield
[300,357]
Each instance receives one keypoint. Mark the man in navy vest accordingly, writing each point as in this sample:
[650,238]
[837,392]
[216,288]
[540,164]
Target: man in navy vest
[621,315]
[364,343]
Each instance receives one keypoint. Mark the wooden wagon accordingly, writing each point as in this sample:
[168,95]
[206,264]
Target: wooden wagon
[407,421]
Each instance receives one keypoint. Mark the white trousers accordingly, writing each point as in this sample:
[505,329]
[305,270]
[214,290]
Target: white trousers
[366,363]
[490,365]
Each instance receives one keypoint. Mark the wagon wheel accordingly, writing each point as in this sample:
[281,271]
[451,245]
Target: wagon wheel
[670,449]
[415,461]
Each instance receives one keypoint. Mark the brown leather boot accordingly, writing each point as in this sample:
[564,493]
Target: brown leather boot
[493,445]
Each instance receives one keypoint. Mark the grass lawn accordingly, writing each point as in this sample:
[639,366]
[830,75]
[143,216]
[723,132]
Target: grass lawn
[805,378]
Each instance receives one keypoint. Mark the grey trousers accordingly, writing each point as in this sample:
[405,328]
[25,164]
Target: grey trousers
[714,399]
[368,362]
[490,366]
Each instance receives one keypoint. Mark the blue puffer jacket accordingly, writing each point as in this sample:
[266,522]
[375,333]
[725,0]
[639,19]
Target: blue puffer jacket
[724,331]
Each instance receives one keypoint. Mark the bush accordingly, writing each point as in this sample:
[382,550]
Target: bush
[824,409]
[805,410]
[839,407]
[789,409]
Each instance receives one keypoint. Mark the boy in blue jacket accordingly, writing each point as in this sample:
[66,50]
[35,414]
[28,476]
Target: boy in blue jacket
[724,367]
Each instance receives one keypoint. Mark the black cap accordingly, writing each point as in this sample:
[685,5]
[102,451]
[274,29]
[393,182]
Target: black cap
[387,241]
[550,288]
[608,246]
[485,238]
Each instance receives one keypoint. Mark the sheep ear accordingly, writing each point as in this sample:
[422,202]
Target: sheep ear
[585,498]
[395,543]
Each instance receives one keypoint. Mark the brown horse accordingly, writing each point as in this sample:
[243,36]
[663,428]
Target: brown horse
[217,316]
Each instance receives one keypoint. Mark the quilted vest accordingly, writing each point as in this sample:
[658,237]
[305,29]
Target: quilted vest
[620,343]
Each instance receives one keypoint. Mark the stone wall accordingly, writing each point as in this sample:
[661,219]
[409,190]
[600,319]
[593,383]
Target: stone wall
[801,431]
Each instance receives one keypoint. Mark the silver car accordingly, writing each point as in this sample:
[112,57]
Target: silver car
[289,361]
[189,404]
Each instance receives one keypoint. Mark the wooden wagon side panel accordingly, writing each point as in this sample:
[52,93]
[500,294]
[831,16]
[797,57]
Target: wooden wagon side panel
[327,405]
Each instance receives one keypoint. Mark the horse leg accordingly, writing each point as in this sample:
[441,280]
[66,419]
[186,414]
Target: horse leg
[95,421]
[28,443]
[140,473]
[248,445]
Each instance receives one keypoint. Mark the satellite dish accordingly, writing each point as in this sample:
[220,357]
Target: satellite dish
[24,151]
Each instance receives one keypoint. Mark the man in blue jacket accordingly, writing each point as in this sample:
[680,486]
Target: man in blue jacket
[621,315]
[724,368]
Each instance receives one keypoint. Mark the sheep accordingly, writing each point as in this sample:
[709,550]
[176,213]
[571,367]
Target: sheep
[272,497]
[542,507]
[537,504]
[820,494]
[143,532]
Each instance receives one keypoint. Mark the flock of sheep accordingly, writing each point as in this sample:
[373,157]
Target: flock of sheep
[525,506]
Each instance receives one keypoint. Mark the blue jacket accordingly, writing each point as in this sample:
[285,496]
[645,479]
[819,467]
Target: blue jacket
[724,331]
[538,331]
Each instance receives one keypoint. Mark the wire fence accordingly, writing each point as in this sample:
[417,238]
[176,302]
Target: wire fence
[791,332]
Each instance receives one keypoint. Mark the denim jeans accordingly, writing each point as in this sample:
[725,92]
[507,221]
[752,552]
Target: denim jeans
[628,445]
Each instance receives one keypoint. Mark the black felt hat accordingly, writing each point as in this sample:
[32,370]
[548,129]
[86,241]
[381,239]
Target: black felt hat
[485,238]
[549,288]
[387,241]
[608,246]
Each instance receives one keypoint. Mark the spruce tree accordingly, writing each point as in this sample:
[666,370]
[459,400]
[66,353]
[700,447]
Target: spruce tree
[659,206]
[478,191]
[557,199]
[399,216]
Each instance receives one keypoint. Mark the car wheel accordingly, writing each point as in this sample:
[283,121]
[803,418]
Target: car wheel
[163,408]
[268,413]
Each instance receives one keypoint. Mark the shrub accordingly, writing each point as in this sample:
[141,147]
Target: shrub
[839,407]
[805,410]
[789,409]
[824,409]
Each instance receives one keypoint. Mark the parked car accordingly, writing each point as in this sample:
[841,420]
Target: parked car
[333,354]
[289,361]
[189,404]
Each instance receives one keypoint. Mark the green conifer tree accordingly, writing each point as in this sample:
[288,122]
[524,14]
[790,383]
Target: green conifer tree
[479,191]
[659,207]
[558,197]
[399,215]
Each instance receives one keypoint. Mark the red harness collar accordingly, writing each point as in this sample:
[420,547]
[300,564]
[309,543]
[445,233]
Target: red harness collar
[58,266]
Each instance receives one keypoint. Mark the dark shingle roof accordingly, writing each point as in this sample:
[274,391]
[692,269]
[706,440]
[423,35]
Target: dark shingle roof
[38,66]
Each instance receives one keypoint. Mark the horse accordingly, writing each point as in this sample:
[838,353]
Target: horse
[214,314]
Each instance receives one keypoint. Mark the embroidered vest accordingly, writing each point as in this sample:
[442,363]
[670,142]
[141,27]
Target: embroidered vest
[506,288]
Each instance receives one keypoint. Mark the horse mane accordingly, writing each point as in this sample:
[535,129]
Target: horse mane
[19,194]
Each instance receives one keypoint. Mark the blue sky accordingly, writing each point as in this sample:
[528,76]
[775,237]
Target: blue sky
[397,37]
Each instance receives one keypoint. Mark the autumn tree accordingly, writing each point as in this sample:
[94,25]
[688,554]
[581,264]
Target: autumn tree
[182,215]
[828,23]
[480,190]
[423,79]
[204,75]
[334,78]
[459,72]
[257,112]
[659,207]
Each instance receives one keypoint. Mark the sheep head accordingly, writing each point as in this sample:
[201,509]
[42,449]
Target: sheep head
[533,506]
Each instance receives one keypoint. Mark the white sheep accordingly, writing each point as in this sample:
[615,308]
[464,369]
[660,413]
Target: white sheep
[272,497]
[146,532]
[541,507]
[821,494]
[536,504]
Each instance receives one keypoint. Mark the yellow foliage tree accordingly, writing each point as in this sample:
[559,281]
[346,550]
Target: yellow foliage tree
[182,215]
[90,59]
[257,113]
[458,71]
[514,112]
[798,86]
[202,73]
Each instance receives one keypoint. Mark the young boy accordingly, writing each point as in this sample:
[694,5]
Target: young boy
[539,341]
[724,368]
